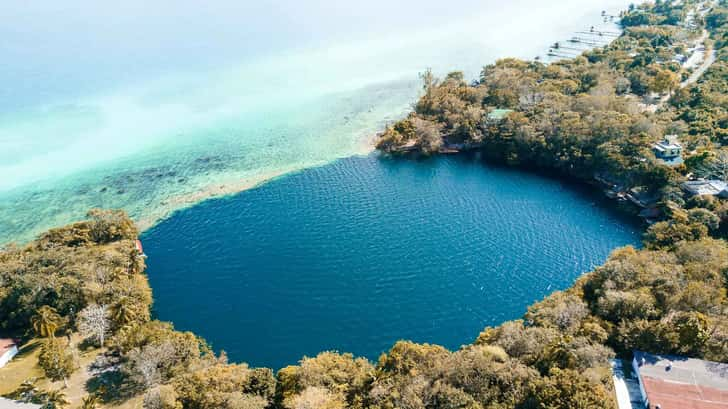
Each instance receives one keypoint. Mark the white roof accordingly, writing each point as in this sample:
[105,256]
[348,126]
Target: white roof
[11,404]
[706,187]
[667,145]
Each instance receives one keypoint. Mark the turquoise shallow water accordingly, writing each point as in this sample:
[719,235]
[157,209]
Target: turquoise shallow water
[354,255]
[152,107]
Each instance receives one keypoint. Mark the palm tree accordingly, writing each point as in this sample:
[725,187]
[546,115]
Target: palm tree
[26,392]
[46,321]
[90,402]
[55,400]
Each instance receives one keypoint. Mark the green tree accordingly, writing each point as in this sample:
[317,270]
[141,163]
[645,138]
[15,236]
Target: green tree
[46,321]
[664,81]
[55,399]
[55,360]
[705,217]
[90,402]
[124,312]
[111,225]
[568,389]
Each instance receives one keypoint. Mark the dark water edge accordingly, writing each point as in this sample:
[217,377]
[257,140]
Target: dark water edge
[358,254]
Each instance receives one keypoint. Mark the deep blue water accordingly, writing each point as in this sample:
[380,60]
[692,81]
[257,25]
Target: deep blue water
[356,255]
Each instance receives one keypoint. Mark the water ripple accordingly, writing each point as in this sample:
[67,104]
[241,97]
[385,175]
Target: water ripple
[360,253]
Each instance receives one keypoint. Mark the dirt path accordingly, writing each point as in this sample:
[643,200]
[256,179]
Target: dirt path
[707,62]
[697,73]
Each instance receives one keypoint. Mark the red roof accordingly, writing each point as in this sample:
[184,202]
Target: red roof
[674,395]
[139,246]
[5,345]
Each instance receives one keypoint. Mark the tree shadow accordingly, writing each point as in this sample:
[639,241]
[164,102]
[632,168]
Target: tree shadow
[110,382]
[28,348]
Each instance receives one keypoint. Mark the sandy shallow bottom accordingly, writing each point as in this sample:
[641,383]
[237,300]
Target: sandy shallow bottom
[161,144]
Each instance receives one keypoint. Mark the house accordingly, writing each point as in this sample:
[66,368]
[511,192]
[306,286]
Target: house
[11,404]
[669,150]
[706,188]
[498,115]
[673,382]
[8,349]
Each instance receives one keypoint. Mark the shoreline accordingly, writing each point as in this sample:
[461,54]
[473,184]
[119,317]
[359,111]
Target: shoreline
[177,203]
[149,213]
[367,146]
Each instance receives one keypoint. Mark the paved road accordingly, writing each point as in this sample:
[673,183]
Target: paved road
[627,389]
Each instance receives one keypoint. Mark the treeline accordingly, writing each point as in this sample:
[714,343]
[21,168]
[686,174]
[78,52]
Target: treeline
[597,114]
[88,278]
[668,299]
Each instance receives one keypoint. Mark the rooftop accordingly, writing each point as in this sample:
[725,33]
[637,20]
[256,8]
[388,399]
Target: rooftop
[683,383]
[11,404]
[5,345]
[670,142]
[498,114]
[706,187]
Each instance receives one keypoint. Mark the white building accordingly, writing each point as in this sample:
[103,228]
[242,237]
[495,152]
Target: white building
[706,188]
[8,349]
[11,404]
[668,148]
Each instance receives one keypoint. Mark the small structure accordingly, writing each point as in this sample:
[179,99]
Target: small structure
[613,188]
[139,248]
[669,150]
[706,188]
[8,349]
[498,115]
[673,382]
[680,59]
[643,197]
[11,404]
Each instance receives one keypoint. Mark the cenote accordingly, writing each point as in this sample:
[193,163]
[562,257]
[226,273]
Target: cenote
[360,253]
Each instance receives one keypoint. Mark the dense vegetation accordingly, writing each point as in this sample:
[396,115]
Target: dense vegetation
[579,117]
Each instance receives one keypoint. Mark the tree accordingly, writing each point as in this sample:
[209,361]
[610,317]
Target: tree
[704,216]
[55,399]
[715,167]
[664,81]
[111,225]
[56,360]
[93,322]
[665,234]
[428,134]
[219,386]
[163,397]
[27,392]
[147,362]
[565,388]
[316,398]
[123,312]
[90,402]
[46,321]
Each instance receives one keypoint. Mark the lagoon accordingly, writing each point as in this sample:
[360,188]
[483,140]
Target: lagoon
[355,255]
